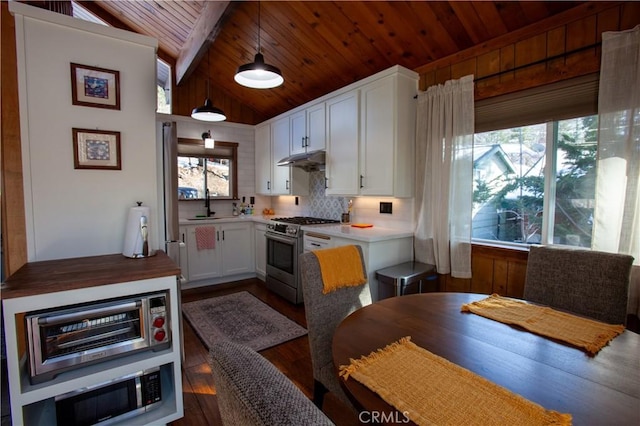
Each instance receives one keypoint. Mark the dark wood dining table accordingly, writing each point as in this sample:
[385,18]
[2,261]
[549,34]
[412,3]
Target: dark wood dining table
[596,390]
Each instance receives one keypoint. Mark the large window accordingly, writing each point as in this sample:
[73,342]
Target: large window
[536,184]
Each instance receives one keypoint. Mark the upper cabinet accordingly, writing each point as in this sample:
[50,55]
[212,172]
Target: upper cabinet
[272,143]
[367,130]
[387,136]
[341,169]
[263,161]
[371,137]
[308,129]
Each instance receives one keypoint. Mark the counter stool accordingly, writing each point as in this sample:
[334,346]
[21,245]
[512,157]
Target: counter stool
[406,278]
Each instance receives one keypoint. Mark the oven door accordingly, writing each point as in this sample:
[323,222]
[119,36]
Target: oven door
[282,258]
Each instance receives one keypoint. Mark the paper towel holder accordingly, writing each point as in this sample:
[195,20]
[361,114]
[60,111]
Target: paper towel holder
[136,243]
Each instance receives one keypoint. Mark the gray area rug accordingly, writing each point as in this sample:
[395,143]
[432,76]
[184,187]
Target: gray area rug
[242,318]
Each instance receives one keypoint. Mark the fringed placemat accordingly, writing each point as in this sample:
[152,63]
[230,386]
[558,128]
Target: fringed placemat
[429,390]
[591,335]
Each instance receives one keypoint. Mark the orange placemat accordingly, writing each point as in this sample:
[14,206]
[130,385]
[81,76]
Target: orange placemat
[429,390]
[585,333]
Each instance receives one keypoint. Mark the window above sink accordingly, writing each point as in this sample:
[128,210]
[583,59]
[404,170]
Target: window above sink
[206,172]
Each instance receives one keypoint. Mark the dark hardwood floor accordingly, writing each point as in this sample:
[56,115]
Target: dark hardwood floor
[292,358]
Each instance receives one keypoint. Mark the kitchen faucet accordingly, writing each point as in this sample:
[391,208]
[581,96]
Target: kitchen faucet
[207,203]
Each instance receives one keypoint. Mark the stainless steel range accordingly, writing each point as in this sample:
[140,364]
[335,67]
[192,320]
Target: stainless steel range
[284,245]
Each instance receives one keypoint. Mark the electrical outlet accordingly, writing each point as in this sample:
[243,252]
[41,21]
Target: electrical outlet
[386,207]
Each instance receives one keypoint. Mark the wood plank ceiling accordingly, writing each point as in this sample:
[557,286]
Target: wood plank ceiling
[320,46]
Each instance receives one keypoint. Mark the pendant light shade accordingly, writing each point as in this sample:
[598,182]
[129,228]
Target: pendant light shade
[208,112]
[257,74]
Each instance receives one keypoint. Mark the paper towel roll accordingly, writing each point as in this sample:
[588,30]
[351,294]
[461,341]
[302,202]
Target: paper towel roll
[133,238]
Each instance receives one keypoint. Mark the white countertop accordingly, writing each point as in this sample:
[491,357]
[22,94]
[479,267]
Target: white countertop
[369,235]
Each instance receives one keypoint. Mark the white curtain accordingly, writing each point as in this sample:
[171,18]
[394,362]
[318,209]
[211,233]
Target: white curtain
[444,167]
[617,211]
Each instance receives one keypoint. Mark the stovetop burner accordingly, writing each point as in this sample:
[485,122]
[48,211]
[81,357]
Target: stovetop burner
[303,220]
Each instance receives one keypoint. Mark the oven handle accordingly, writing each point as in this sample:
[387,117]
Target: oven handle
[95,338]
[81,315]
[286,240]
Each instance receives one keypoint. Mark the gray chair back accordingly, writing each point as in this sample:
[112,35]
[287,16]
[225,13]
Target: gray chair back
[589,283]
[324,312]
[252,391]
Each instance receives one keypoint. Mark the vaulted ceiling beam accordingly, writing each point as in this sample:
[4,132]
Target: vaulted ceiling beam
[204,33]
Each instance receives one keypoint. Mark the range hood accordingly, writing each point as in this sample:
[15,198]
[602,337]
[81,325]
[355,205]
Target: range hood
[309,161]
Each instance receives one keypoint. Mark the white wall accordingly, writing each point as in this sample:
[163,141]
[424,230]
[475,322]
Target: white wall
[69,212]
[243,134]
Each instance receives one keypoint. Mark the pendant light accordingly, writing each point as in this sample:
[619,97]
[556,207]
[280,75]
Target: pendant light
[257,74]
[208,112]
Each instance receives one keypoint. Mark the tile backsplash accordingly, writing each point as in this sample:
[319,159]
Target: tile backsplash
[365,209]
[317,204]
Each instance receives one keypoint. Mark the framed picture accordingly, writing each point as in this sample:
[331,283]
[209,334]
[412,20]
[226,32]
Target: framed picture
[95,87]
[96,149]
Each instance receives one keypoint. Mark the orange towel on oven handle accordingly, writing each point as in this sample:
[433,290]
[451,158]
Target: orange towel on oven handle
[206,237]
[340,267]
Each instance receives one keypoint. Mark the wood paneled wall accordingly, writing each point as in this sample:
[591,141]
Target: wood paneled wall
[559,48]
[14,234]
[494,269]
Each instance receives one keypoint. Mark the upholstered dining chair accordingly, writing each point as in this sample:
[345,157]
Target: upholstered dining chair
[589,283]
[324,312]
[252,391]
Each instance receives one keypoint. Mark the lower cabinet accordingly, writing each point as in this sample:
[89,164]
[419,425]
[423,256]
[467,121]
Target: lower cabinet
[380,254]
[232,252]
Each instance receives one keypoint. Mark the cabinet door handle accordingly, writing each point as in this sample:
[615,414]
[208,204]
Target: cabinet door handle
[302,144]
[326,183]
[306,140]
[287,185]
[222,235]
[269,185]
[217,235]
[361,185]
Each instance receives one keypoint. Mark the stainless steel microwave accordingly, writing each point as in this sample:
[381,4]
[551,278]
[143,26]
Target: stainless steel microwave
[71,337]
[114,401]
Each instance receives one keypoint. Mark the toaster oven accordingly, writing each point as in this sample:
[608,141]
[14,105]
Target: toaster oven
[70,337]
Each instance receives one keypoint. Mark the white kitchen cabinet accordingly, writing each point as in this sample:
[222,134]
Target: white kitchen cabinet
[308,129]
[341,170]
[387,136]
[379,254]
[233,255]
[371,137]
[263,161]
[236,248]
[202,263]
[261,250]
[272,145]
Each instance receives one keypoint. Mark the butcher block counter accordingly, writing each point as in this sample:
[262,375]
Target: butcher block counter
[51,276]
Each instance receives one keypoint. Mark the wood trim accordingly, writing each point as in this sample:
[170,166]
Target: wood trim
[576,13]
[204,33]
[14,240]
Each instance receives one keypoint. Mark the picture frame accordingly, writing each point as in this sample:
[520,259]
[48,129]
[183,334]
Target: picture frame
[96,149]
[95,87]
